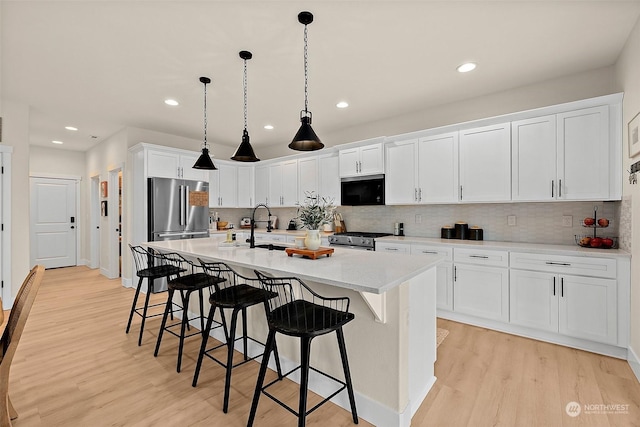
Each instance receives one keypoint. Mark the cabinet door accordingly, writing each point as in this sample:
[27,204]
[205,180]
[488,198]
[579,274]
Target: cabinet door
[438,169]
[162,164]
[588,308]
[228,185]
[444,286]
[275,184]
[533,159]
[485,164]
[188,172]
[349,159]
[583,154]
[400,180]
[481,291]
[534,299]
[290,183]
[262,185]
[214,188]
[329,178]
[371,159]
[245,186]
[307,177]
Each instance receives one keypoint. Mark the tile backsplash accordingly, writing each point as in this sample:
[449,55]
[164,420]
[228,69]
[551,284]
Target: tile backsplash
[535,222]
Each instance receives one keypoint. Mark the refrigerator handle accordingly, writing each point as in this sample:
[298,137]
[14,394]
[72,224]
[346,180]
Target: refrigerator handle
[185,205]
[181,202]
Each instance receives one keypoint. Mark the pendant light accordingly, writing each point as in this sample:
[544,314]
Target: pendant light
[245,153]
[306,139]
[204,161]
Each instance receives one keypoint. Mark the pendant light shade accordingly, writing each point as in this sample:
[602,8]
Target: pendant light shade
[245,153]
[305,139]
[204,161]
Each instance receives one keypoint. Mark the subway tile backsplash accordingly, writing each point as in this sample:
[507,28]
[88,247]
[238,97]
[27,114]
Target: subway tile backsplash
[535,222]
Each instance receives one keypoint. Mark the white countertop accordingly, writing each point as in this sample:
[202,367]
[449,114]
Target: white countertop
[364,271]
[573,250]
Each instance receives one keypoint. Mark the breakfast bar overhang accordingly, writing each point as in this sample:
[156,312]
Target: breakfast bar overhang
[392,341]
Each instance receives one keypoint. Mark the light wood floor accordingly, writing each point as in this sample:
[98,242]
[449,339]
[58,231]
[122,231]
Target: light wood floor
[75,366]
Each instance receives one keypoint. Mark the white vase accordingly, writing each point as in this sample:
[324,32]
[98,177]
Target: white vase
[312,240]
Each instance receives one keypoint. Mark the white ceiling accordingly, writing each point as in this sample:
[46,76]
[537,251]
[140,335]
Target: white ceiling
[105,65]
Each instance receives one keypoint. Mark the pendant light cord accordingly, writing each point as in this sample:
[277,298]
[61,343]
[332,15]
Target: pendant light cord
[244,86]
[205,115]
[306,72]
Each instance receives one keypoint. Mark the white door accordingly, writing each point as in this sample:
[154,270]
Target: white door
[371,159]
[349,159]
[228,186]
[534,299]
[290,183]
[307,177]
[53,222]
[481,291]
[400,182]
[245,186]
[329,178]
[438,169]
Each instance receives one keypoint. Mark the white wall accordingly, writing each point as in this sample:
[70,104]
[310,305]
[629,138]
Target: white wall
[627,72]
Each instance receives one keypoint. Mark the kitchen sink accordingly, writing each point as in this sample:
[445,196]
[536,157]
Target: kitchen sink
[271,247]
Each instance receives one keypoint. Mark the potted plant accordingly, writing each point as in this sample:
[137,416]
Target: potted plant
[313,214]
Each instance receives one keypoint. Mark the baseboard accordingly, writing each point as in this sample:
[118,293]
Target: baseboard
[127,282]
[84,262]
[634,362]
[368,409]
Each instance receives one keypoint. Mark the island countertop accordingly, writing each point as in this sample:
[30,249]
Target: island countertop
[363,271]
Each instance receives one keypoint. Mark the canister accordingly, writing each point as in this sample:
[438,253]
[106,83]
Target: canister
[461,230]
[474,233]
[448,232]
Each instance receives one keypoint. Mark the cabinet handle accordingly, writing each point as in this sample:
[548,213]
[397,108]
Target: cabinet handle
[559,188]
[455,273]
[461,192]
[479,256]
[554,286]
[558,263]
[415,194]
[429,252]
[390,249]
[357,167]
[562,287]
[552,185]
[360,163]
[419,194]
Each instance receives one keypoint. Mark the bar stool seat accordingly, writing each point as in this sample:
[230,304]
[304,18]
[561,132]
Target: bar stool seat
[149,266]
[299,312]
[235,292]
[190,279]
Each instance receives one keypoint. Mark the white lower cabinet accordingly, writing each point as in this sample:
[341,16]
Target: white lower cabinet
[444,273]
[581,307]
[481,291]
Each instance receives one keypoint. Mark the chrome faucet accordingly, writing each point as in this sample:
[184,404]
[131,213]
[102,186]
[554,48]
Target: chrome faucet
[252,239]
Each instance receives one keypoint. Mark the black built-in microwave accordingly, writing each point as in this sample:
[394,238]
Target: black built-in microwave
[366,190]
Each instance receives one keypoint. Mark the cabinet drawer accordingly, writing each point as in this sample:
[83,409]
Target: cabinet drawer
[432,250]
[393,248]
[482,257]
[583,266]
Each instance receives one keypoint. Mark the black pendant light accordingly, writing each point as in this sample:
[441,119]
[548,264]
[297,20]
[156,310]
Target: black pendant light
[204,161]
[306,139]
[245,153]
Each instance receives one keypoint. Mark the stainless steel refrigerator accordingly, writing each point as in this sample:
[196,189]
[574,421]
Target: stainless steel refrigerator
[177,209]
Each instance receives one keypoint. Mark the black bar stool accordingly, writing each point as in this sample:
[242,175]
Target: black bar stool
[148,266]
[236,292]
[192,279]
[297,311]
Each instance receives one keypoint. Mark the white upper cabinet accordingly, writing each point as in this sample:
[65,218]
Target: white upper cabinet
[438,168]
[583,154]
[307,177]
[245,186]
[169,163]
[329,177]
[533,145]
[363,160]
[262,185]
[223,186]
[283,183]
[485,164]
[402,172]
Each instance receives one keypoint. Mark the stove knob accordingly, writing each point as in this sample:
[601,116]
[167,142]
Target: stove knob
[367,242]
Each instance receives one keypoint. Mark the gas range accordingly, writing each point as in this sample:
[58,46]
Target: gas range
[356,240]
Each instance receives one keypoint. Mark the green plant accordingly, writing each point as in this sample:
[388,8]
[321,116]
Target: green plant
[315,211]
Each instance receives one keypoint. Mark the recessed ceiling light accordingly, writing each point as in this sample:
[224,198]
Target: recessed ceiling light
[342,104]
[171,102]
[466,67]
[268,127]
[57,142]
[71,128]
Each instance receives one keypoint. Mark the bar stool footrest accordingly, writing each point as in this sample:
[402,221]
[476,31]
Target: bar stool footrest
[224,344]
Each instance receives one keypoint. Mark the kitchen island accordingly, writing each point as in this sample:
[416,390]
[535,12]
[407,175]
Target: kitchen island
[391,344]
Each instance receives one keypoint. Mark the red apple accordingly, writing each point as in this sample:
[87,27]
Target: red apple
[603,222]
[596,242]
[607,242]
[589,221]
[585,241]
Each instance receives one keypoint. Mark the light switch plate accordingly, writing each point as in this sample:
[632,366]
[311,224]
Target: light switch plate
[511,220]
[567,221]
[418,219]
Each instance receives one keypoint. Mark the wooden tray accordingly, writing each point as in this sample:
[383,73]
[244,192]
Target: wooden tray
[309,253]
